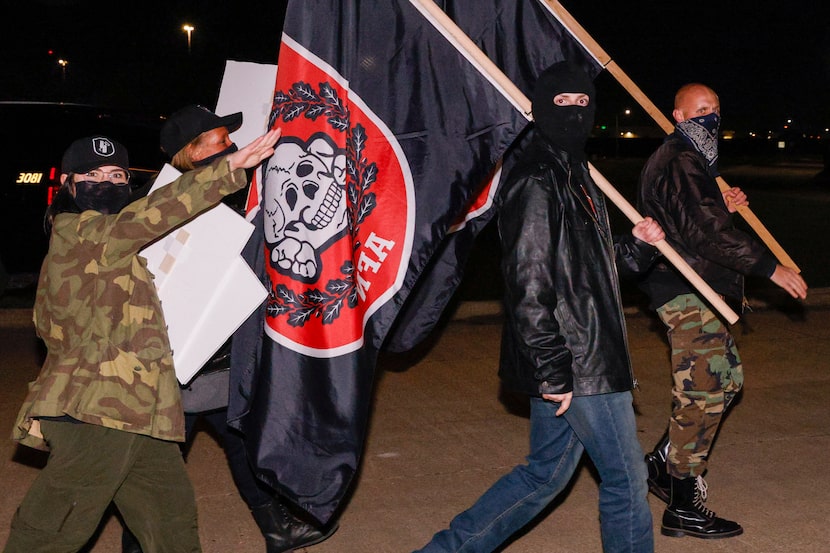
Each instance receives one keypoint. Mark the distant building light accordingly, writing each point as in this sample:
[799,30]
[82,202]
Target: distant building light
[781,144]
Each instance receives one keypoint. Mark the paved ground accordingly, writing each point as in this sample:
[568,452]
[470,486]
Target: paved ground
[441,433]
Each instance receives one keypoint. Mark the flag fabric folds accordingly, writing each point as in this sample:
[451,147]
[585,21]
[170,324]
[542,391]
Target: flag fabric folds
[387,134]
[522,38]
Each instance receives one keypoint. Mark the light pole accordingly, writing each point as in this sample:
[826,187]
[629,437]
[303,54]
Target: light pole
[188,28]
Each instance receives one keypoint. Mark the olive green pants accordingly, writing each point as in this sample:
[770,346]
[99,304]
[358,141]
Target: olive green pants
[91,466]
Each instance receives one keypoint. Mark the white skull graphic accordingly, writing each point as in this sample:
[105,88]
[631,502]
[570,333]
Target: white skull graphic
[304,203]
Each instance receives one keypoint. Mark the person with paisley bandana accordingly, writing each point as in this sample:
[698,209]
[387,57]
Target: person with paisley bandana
[678,188]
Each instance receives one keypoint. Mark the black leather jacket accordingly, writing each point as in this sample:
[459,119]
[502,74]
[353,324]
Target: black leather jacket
[678,192]
[564,328]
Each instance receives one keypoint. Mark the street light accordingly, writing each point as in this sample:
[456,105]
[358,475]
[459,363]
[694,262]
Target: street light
[188,28]
[627,112]
[63,63]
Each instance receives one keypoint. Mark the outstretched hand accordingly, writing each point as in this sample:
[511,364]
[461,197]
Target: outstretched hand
[256,151]
[789,280]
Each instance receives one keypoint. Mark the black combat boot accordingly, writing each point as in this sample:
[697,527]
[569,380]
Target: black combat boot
[659,481]
[687,516]
[285,532]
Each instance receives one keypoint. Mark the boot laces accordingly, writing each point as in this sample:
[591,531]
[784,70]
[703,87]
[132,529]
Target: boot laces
[701,494]
[286,515]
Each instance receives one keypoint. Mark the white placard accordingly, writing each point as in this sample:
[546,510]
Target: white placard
[206,289]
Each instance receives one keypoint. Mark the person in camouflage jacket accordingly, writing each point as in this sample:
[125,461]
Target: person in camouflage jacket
[106,403]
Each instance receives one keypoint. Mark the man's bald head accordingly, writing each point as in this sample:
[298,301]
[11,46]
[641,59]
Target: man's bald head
[693,100]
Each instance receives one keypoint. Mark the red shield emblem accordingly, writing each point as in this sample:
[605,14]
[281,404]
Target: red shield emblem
[338,206]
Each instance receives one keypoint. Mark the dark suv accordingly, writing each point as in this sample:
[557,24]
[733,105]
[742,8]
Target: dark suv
[36,134]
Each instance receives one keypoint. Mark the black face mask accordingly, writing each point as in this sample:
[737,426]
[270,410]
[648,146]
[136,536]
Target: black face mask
[202,162]
[566,126]
[104,197]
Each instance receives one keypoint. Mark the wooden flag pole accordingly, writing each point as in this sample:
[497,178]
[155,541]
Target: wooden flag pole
[668,252]
[611,66]
[448,27]
[464,44]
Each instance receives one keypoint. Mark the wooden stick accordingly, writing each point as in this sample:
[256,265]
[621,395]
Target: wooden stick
[448,27]
[762,232]
[668,252]
[458,38]
[668,127]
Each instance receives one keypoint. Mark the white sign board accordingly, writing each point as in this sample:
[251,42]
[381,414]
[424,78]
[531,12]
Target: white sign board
[206,289]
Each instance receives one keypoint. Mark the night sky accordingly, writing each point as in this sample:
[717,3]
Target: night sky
[768,60]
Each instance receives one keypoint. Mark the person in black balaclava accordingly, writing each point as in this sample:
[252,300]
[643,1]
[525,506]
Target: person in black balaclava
[563,109]
[678,188]
[564,341]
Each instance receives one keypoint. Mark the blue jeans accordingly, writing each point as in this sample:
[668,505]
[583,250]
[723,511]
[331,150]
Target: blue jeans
[603,425]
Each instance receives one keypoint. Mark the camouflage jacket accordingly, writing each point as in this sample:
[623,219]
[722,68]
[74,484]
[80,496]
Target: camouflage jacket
[108,358]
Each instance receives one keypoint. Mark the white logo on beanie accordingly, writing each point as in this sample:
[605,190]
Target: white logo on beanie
[103,146]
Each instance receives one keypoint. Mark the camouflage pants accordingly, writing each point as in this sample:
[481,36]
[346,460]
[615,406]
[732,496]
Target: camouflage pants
[707,374]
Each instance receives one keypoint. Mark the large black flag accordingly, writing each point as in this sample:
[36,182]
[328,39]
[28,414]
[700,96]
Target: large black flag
[388,133]
[522,37]
[385,125]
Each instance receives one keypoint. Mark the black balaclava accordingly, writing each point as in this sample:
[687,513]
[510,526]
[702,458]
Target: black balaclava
[566,126]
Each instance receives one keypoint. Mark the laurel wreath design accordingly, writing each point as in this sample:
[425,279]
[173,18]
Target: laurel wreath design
[361,174]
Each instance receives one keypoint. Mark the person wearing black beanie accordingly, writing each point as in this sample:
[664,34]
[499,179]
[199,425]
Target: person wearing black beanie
[564,340]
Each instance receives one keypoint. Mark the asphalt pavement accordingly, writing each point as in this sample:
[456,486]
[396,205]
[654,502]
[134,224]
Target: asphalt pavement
[442,431]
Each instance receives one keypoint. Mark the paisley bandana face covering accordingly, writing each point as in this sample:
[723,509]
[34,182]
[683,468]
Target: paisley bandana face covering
[702,134]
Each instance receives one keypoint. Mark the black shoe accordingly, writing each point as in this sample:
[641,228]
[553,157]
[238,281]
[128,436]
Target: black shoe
[285,532]
[687,516]
[659,481]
